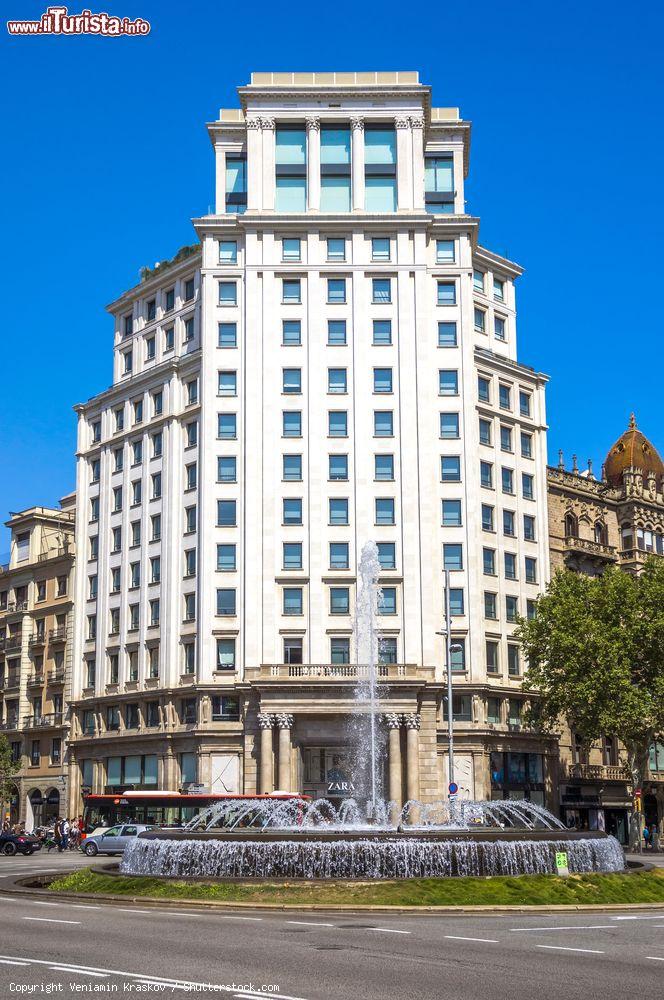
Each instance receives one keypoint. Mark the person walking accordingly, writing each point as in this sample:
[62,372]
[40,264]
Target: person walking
[654,838]
[64,834]
[57,834]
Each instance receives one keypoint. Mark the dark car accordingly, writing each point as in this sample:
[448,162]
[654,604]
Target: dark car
[18,843]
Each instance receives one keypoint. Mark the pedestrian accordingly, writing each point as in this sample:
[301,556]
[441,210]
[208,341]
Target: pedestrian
[654,837]
[57,834]
[64,831]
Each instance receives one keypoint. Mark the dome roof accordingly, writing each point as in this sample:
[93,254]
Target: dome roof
[632,450]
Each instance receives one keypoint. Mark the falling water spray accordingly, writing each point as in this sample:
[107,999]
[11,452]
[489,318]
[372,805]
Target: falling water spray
[365,735]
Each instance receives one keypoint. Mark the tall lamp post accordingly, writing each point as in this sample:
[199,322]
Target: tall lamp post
[450,648]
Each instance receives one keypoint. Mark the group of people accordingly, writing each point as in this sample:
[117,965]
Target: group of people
[67,834]
[651,837]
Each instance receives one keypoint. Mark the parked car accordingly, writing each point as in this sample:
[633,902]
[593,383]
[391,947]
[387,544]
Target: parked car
[18,843]
[114,840]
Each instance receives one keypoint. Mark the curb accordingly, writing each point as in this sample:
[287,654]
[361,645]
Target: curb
[151,902]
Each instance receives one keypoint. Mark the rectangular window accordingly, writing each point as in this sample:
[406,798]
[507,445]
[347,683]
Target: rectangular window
[227,293]
[291,250]
[382,332]
[336,248]
[499,328]
[339,600]
[150,349]
[340,650]
[337,423]
[531,570]
[526,445]
[292,555]
[529,527]
[189,563]
[291,293]
[382,380]
[337,380]
[227,335]
[451,513]
[498,289]
[227,383]
[489,562]
[336,291]
[513,665]
[292,510]
[228,251]
[505,438]
[527,486]
[226,469]
[456,602]
[291,333]
[445,252]
[446,293]
[292,468]
[226,558]
[226,513]
[380,171]
[236,184]
[387,556]
[483,389]
[385,510]
[380,248]
[448,382]
[439,184]
[336,333]
[291,170]
[458,665]
[487,517]
[508,523]
[337,467]
[478,281]
[335,170]
[169,338]
[511,608]
[479,320]
[449,425]
[384,467]
[524,404]
[490,605]
[383,423]
[510,566]
[381,290]
[452,556]
[338,511]
[339,558]
[293,602]
[507,480]
[291,381]
[189,330]
[227,426]
[486,475]
[226,602]
[225,654]
[170,299]
[493,709]
[485,431]
[388,601]
[450,469]
[491,656]
[291,423]
[504,397]
[447,334]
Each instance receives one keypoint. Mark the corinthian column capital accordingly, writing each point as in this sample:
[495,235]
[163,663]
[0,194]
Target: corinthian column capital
[284,720]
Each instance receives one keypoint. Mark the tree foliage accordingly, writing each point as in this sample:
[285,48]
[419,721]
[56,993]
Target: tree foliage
[8,769]
[595,653]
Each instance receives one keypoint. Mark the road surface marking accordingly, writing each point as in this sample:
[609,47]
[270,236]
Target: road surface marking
[234,916]
[559,947]
[387,930]
[571,927]
[657,916]
[81,972]
[655,958]
[122,909]
[458,937]
[51,920]
[309,923]
[7,961]
[84,906]
[39,902]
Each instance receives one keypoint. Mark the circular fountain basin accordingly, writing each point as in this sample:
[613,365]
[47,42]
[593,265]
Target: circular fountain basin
[330,853]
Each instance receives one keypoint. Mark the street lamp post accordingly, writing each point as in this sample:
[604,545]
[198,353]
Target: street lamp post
[450,647]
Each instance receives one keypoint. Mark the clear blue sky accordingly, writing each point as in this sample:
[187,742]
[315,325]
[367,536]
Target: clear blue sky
[106,159]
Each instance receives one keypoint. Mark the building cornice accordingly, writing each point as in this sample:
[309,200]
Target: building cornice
[312,221]
[140,291]
[509,367]
[140,381]
[497,263]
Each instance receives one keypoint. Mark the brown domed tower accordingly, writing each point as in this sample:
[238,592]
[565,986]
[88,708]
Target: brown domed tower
[633,459]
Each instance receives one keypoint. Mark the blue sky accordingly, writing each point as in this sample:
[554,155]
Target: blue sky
[107,159]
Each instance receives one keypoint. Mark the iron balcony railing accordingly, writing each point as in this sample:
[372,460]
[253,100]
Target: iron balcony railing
[43,721]
[57,634]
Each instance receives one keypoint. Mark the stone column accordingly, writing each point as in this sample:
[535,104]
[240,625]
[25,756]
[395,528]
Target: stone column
[412,724]
[254,164]
[220,180]
[393,721]
[357,162]
[417,136]
[284,724]
[269,180]
[266,722]
[404,165]
[313,164]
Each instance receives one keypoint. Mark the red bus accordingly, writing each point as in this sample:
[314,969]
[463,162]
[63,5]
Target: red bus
[158,808]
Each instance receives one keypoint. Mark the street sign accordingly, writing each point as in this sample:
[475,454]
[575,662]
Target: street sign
[453,788]
[562,867]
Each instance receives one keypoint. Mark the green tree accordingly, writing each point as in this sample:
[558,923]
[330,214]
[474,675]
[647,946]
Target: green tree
[595,654]
[9,768]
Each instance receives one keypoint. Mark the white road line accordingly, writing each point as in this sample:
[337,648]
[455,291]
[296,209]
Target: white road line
[122,909]
[6,961]
[81,972]
[309,923]
[51,920]
[559,947]
[570,927]
[39,902]
[84,906]
[234,916]
[457,937]
[655,958]
[387,930]
[657,916]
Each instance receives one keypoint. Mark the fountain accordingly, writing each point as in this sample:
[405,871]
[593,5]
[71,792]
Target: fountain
[367,837]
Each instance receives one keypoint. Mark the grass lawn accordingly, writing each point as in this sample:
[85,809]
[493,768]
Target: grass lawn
[640,887]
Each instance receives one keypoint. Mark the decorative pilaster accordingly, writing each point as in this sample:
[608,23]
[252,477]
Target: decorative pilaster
[284,724]
[254,165]
[357,162]
[266,722]
[269,181]
[313,164]
[393,721]
[404,164]
[417,138]
[412,722]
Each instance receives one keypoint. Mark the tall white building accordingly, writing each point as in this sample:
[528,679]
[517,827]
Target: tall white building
[336,362]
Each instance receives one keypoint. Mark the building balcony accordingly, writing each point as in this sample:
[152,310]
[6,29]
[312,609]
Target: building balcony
[43,721]
[57,634]
[348,673]
[12,644]
[36,679]
[10,725]
[56,676]
[55,553]
[587,546]
[594,772]
[36,640]
[635,555]
[10,680]
[17,607]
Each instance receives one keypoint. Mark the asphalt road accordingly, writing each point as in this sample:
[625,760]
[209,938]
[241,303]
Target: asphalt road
[70,949]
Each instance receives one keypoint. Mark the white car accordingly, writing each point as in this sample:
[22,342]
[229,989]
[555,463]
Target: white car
[114,840]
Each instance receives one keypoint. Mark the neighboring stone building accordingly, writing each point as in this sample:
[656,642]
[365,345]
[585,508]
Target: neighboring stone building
[36,594]
[336,362]
[594,523]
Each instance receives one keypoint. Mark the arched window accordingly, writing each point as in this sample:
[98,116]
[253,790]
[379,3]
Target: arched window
[659,544]
[601,533]
[571,526]
[627,536]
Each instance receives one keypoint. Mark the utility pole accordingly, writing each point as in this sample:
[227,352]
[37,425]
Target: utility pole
[449,649]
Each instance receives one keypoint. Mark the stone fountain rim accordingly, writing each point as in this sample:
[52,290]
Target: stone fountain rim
[318,834]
